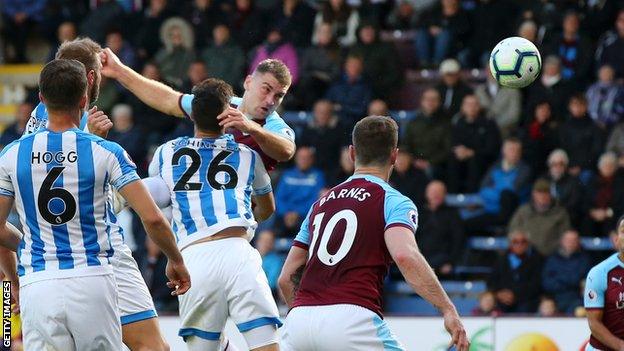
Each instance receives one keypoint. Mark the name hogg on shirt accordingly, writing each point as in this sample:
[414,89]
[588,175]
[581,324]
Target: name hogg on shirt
[56,157]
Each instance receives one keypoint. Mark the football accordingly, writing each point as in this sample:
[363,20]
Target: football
[515,62]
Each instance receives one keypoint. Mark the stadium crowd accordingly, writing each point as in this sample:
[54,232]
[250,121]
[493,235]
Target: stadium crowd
[542,166]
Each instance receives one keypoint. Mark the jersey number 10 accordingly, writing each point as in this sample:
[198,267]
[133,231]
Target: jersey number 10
[347,241]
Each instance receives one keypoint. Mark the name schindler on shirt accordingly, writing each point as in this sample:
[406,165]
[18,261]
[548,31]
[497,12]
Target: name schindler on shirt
[49,157]
[6,314]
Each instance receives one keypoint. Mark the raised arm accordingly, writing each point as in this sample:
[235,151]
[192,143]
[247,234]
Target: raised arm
[419,275]
[155,94]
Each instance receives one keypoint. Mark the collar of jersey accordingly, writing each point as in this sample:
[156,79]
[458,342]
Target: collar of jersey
[67,130]
[368,177]
[617,259]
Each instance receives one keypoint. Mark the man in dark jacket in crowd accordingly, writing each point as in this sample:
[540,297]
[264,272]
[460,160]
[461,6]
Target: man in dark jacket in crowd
[564,271]
[581,138]
[440,233]
[428,136]
[407,179]
[516,277]
[475,144]
[565,188]
[452,88]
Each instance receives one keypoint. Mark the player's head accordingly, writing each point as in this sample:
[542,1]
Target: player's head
[212,97]
[87,52]
[619,239]
[375,142]
[266,87]
[63,87]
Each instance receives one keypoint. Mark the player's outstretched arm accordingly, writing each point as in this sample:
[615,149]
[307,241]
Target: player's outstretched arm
[417,272]
[600,331]
[296,259]
[265,206]
[158,229]
[155,94]
[275,146]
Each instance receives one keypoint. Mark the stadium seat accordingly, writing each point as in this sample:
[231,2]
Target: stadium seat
[472,270]
[409,305]
[460,287]
[596,244]
[488,243]
[465,305]
[282,244]
[297,117]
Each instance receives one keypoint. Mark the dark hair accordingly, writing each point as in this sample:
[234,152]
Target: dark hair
[212,96]
[277,68]
[578,97]
[512,139]
[84,50]
[62,83]
[374,138]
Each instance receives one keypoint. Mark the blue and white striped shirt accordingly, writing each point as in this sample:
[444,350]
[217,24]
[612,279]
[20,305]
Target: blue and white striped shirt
[210,182]
[39,120]
[61,182]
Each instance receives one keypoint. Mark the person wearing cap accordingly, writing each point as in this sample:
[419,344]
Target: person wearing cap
[542,219]
[452,88]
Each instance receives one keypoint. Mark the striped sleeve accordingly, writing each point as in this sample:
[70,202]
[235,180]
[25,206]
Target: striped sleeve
[262,182]
[6,185]
[121,168]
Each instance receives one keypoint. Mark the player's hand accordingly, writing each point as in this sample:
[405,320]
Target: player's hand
[111,64]
[454,326]
[233,118]
[179,278]
[98,122]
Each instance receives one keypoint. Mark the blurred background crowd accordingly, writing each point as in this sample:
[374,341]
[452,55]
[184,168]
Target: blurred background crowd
[518,190]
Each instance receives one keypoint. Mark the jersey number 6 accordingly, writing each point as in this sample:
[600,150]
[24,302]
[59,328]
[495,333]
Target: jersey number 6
[47,193]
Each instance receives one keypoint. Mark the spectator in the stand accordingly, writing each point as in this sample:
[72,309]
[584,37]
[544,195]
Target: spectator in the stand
[320,66]
[604,197]
[296,18]
[403,16]
[129,135]
[203,15]
[551,87]
[272,262]
[616,142]
[487,306]
[343,19]
[547,307]
[605,99]
[529,31]
[505,185]
[381,62]
[224,59]
[195,74]
[443,31]
[452,88]
[407,179]
[501,104]
[155,124]
[351,93]
[152,267]
[599,16]
[277,47]
[581,138]
[573,48]
[428,136]
[540,135]
[296,191]
[20,18]
[149,24]
[326,135]
[475,144]
[378,107]
[542,219]
[494,20]
[440,234]
[66,32]
[565,188]
[516,276]
[15,130]
[564,272]
[247,24]
[611,47]
[178,52]
[343,171]
[95,24]
[121,47]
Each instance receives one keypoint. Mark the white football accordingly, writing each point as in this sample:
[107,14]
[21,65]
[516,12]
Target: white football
[515,62]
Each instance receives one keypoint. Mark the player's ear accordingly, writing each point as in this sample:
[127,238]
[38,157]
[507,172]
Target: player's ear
[84,101]
[393,156]
[247,82]
[90,77]
[352,153]
[41,98]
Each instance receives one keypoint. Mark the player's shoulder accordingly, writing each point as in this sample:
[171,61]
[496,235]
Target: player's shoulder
[104,144]
[603,268]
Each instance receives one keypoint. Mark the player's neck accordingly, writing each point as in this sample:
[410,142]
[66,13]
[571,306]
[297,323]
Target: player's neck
[621,256]
[374,171]
[206,134]
[62,121]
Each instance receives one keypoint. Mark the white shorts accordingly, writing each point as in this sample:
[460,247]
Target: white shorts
[337,327]
[228,281]
[135,301]
[78,313]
